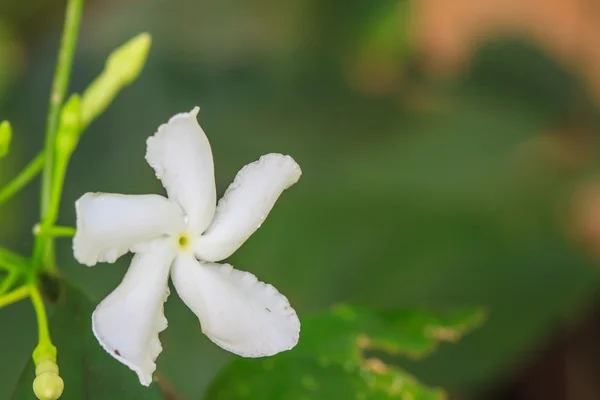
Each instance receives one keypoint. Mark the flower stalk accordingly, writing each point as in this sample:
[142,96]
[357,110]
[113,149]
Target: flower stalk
[48,385]
[8,282]
[65,124]
[58,93]
[23,178]
[14,296]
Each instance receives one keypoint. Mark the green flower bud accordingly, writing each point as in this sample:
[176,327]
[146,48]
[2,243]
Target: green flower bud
[5,138]
[48,385]
[123,66]
[46,366]
[127,61]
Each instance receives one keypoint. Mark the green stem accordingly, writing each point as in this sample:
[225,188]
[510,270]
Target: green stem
[60,169]
[7,266]
[25,176]
[45,348]
[14,296]
[57,95]
[47,247]
[11,261]
[54,231]
[44,246]
[8,282]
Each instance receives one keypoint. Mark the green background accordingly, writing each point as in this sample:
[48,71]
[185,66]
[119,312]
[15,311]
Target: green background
[402,202]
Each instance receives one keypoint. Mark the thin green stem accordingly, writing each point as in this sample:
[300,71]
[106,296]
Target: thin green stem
[7,265]
[20,181]
[60,169]
[44,246]
[11,261]
[62,231]
[54,231]
[43,253]
[47,247]
[38,252]
[14,296]
[8,282]
[60,85]
[44,341]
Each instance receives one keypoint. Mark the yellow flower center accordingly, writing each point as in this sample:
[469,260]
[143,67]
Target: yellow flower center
[184,242]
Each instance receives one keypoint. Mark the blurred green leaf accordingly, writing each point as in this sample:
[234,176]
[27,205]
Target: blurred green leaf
[387,30]
[330,360]
[87,370]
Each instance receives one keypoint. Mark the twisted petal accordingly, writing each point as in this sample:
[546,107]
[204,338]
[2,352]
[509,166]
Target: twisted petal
[236,311]
[127,321]
[182,159]
[246,204]
[109,225]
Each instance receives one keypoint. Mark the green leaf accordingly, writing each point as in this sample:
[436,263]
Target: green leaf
[87,370]
[333,358]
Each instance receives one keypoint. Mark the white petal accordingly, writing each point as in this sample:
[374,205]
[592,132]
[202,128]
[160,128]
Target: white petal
[236,311]
[127,321]
[246,204]
[181,156]
[109,225]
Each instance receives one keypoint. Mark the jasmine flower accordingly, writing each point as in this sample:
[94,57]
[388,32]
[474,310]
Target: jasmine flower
[183,236]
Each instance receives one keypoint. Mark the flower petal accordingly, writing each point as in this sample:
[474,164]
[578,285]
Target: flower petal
[181,156]
[109,225]
[127,321]
[246,204]
[236,311]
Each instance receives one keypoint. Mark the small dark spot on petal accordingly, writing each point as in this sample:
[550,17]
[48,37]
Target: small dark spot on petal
[267,309]
[117,352]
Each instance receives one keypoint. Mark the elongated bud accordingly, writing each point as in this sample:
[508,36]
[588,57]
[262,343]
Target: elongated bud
[69,126]
[127,61]
[5,138]
[123,66]
[48,385]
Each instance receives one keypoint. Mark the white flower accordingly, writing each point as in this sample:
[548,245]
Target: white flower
[183,236]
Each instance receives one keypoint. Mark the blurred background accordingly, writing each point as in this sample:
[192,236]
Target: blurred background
[449,151]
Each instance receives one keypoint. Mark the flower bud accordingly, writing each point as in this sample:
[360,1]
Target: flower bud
[48,385]
[122,67]
[127,61]
[5,138]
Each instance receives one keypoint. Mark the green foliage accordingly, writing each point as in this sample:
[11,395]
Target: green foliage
[387,32]
[334,357]
[443,207]
[23,276]
[87,370]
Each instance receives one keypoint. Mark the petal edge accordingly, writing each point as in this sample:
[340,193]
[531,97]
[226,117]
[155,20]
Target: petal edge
[109,225]
[245,205]
[127,322]
[236,311]
[180,154]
